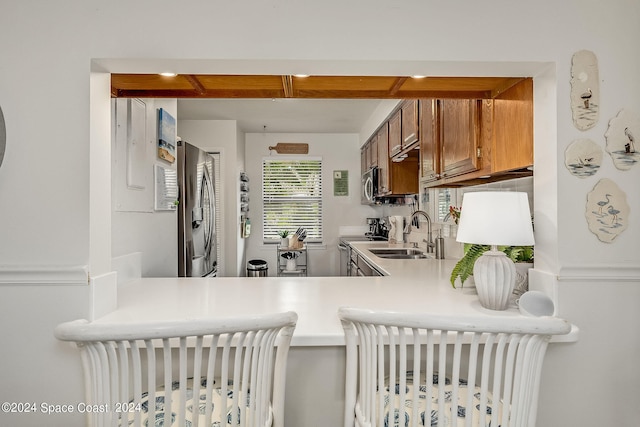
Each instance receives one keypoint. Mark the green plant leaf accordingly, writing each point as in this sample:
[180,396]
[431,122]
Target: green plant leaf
[464,267]
[518,253]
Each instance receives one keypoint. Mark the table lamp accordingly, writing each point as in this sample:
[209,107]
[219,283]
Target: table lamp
[495,218]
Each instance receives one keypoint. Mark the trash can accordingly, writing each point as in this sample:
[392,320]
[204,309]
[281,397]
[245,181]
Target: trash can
[257,268]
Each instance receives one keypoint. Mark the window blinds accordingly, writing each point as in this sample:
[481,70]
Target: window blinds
[292,197]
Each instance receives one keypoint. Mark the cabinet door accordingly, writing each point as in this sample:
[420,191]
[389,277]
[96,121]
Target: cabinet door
[513,128]
[429,142]
[373,151]
[395,133]
[410,123]
[383,159]
[459,136]
[364,160]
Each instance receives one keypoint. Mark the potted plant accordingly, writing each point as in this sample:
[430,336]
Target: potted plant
[284,239]
[522,256]
[454,212]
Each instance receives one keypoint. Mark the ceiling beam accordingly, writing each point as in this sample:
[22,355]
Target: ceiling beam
[309,94]
[506,85]
[397,85]
[193,80]
[319,87]
[287,85]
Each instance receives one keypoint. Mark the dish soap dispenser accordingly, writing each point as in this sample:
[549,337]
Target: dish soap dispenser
[440,245]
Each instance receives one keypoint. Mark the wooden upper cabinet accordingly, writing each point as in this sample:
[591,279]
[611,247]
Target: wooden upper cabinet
[459,136]
[395,133]
[369,154]
[410,123]
[373,151]
[383,160]
[364,158]
[477,141]
[513,128]
[429,141]
[395,178]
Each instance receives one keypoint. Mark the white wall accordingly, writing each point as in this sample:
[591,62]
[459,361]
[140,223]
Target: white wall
[338,152]
[54,216]
[136,226]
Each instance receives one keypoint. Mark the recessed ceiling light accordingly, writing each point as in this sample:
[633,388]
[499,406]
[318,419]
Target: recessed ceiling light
[301,75]
[168,74]
[418,77]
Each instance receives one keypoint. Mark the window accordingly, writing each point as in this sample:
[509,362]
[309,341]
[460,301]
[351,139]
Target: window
[291,197]
[445,199]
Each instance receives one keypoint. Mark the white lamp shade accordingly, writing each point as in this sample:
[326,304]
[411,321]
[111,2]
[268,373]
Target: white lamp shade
[495,218]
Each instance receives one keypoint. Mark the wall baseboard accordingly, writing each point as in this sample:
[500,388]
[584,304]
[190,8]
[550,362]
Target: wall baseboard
[65,275]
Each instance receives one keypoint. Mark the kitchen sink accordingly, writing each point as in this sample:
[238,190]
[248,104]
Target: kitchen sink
[399,253]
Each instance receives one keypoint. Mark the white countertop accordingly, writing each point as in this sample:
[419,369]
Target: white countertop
[414,285]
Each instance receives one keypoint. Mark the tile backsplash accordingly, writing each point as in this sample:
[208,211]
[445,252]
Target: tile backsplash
[431,198]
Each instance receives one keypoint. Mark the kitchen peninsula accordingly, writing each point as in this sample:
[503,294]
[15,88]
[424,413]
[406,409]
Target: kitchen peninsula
[315,379]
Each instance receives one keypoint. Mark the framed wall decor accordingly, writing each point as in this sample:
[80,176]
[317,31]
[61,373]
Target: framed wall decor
[622,143]
[607,211]
[341,183]
[585,89]
[583,158]
[166,136]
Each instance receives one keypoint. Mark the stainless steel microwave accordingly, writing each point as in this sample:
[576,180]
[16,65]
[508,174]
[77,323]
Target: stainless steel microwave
[369,186]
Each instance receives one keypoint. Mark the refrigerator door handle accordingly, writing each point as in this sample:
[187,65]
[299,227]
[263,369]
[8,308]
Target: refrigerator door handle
[207,185]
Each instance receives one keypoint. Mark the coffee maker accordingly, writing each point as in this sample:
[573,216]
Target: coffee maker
[378,229]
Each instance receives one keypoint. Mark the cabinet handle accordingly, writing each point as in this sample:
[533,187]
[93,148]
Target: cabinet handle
[413,135]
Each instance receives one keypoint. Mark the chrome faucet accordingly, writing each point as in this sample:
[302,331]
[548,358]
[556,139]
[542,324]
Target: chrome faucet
[429,240]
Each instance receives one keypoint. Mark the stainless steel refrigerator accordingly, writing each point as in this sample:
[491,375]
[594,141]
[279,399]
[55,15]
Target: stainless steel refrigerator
[197,251]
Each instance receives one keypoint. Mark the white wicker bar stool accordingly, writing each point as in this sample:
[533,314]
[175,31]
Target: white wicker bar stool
[426,370]
[185,373]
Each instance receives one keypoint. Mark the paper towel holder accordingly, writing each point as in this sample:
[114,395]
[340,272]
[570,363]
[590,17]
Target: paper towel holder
[396,229]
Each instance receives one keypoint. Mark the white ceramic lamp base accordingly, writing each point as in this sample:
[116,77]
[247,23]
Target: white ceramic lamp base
[495,277]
